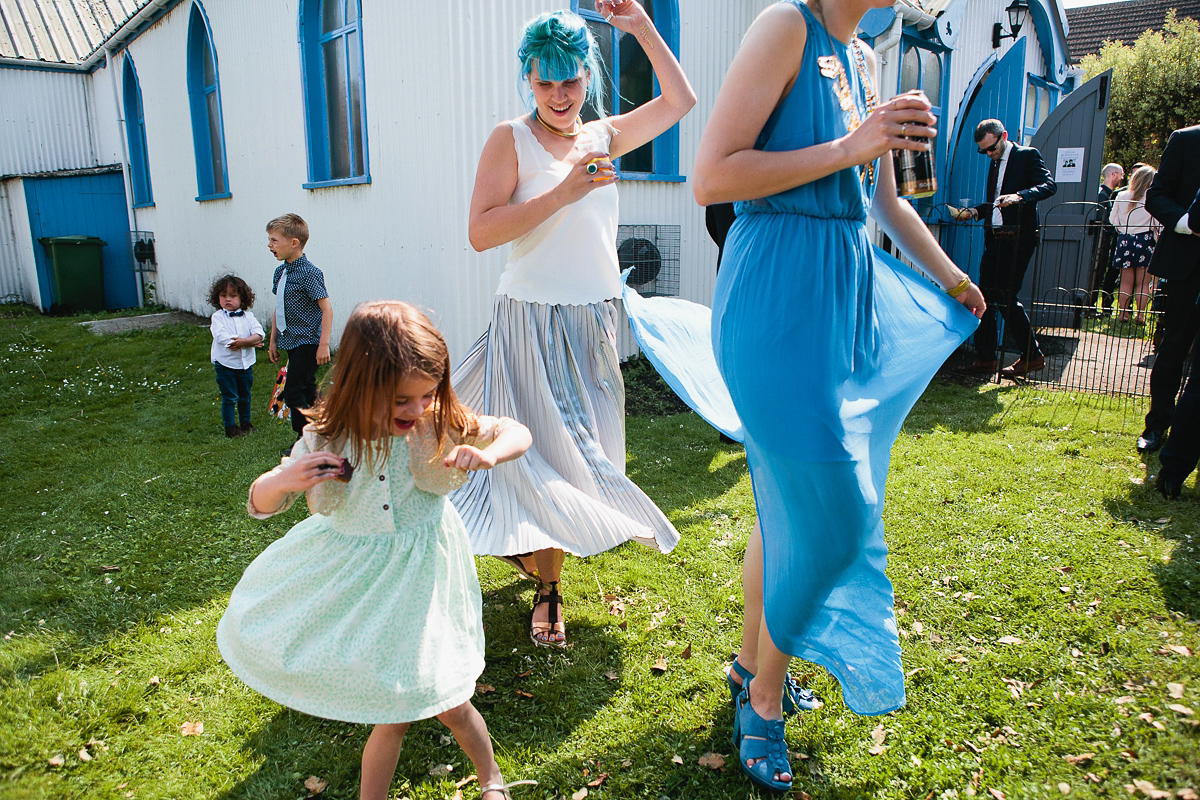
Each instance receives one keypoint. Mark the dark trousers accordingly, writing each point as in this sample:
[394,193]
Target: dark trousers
[300,388]
[1001,272]
[1105,277]
[1179,323]
[235,392]
[1182,450]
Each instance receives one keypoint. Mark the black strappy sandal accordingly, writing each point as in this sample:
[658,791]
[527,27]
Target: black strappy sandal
[546,629]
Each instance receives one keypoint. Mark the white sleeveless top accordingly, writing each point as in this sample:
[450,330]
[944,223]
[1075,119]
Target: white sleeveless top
[571,258]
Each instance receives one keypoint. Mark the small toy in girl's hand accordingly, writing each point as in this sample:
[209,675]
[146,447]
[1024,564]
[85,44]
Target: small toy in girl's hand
[345,469]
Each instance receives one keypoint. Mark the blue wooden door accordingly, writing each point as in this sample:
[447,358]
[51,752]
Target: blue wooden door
[997,93]
[93,205]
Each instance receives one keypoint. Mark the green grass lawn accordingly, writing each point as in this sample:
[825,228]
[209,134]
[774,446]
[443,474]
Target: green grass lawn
[1048,600]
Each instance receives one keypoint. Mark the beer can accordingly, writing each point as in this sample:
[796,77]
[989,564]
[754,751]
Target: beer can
[915,173]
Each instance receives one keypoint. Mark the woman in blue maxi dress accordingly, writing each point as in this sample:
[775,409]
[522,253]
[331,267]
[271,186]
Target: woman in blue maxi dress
[824,346]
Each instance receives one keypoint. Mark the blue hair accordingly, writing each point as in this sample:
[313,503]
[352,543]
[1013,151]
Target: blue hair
[560,42]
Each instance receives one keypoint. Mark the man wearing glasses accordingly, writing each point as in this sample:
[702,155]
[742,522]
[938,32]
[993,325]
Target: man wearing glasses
[1018,178]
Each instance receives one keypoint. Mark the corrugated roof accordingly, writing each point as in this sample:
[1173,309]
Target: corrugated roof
[60,31]
[1122,22]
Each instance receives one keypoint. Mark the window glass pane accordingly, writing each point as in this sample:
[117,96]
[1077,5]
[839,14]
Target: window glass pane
[587,5]
[932,82]
[351,11]
[1043,104]
[910,70]
[214,143]
[604,39]
[637,87]
[210,67]
[332,17]
[1030,106]
[334,57]
[354,69]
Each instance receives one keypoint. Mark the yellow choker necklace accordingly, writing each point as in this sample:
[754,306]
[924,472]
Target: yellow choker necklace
[578,127]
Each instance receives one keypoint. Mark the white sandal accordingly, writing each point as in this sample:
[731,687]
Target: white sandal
[503,788]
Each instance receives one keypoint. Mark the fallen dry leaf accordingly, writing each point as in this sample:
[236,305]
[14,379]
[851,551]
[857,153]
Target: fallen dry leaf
[484,688]
[84,755]
[712,761]
[1065,788]
[466,780]
[660,665]
[687,652]
[1175,690]
[56,760]
[611,675]
[913,672]
[191,728]
[154,681]
[878,735]
[522,693]
[677,759]
[1082,758]
[996,793]
[1076,652]
[1180,649]
[315,785]
[1181,709]
[582,793]
[441,770]
[1009,640]
[598,780]
[1187,794]
[1149,789]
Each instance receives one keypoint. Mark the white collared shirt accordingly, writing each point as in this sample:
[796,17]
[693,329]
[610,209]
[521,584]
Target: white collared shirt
[997,217]
[225,329]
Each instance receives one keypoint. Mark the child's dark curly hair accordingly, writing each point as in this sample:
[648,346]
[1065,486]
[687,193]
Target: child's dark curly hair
[224,284]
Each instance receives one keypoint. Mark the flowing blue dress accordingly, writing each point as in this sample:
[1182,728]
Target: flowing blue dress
[825,347]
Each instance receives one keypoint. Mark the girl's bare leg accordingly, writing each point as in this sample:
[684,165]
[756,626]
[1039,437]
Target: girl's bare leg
[1125,293]
[752,568]
[379,758]
[471,733]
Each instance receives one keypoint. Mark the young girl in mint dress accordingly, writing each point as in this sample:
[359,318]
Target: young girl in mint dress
[824,347]
[369,610]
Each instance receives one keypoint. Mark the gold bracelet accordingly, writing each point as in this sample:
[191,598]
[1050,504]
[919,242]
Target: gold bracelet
[960,287]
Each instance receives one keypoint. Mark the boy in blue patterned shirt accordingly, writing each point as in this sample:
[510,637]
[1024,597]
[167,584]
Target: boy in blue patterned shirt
[303,317]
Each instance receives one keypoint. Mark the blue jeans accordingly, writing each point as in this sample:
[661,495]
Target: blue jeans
[235,390]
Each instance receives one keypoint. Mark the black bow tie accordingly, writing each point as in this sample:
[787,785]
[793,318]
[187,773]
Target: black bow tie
[236,313]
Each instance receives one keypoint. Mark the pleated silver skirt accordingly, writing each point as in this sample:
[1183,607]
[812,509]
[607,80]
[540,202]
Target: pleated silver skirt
[555,369]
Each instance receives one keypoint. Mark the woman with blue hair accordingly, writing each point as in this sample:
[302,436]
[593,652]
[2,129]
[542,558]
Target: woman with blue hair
[546,184]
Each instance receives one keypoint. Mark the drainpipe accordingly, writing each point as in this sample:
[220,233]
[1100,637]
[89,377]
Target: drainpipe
[111,66]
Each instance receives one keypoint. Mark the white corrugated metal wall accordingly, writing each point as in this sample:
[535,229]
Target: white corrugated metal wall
[37,136]
[438,78]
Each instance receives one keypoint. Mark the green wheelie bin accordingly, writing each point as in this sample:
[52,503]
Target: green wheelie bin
[78,272]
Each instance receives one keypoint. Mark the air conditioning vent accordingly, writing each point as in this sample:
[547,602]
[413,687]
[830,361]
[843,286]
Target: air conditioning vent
[652,251]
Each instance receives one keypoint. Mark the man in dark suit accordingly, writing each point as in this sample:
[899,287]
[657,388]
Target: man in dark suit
[1104,276]
[1181,453]
[1177,259]
[1017,180]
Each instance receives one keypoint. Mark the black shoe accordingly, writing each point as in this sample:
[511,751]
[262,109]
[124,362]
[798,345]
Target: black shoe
[1167,488]
[1150,441]
[233,431]
[246,427]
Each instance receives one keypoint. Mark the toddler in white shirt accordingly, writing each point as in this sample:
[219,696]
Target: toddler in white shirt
[235,334]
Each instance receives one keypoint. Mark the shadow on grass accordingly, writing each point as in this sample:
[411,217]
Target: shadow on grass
[532,700]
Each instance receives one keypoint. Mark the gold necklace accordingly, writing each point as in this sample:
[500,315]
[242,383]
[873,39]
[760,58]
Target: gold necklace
[576,124]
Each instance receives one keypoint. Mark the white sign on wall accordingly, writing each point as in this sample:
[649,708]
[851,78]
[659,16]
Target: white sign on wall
[1069,165]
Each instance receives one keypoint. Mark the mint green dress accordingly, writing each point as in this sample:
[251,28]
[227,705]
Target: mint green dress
[370,613]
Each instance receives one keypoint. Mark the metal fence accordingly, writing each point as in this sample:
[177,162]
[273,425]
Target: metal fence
[1089,344]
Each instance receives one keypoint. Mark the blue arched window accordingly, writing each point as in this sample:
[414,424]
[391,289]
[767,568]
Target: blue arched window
[135,135]
[204,95]
[630,82]
[334,93]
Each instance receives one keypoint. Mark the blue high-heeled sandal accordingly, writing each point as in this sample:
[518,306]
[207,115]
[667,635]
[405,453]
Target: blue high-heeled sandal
[795,697]
[762,741]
